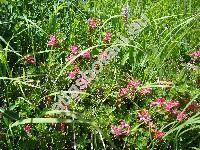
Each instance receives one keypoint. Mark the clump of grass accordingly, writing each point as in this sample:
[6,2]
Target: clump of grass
[145,97]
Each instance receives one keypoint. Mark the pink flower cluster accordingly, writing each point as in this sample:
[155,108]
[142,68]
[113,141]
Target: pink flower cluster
[146,90]
[158,134]
[74,49]
[27,128]
[107,36]
[121,129]
[193,105]
[52,40]
[168,105]
[85,54]
[196,54]
[92,22]
[132,84]
[144,115]
[73,73]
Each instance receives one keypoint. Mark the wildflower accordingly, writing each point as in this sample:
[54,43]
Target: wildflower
[72,75]
[121,129]
[125,12]
[52,40]
[123,91]
[107,36]
[116,130]
[193,105]
[103,54]
[62,127]
[196,54]
[175,111]
[159,101]
[146,90]
[134,83]
[77,69]
[30,59]
[70,57]
[85,54]
[92,22]
[27,128]
[181,115]
[144,115]
[158,134]
[170,104]
[74,49]
[123,124]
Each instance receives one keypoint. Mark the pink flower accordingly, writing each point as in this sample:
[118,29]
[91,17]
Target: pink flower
[74,49]
[196,54]
[92,22]
[144,115]
[123,91]
[169,105]
[146,90]
[70,57]
[158,134]
[177,103]
[115,130]
[121,129]
[107,36]
[103,54]
[72,75]
[85,54]
[134,83]
[123,124]
[52,40]
[27,128]
[193,105]
[181,115]
[77,69]
[175,111]
[159,101]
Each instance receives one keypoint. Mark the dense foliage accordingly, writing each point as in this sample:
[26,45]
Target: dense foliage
[143,95]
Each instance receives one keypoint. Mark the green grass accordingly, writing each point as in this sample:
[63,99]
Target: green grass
[158,51]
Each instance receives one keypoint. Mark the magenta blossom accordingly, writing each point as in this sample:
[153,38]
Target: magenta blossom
[27,128]
[72,75]
[107,36]
[134,83]
[170,104]
[146,90]
[123,91]
[158,101]
[85,54]
[70,57]
[77,69]
[121,129]
[52,40]
[175,111]
[116,130]
[92,22]
[158,134]
[74,49]
[144,115]
[196,54]
[181,115]
[193,105]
